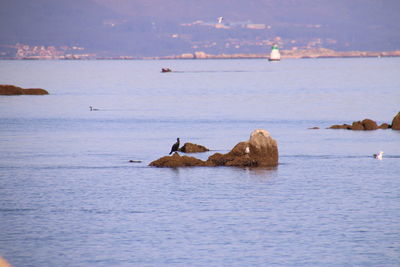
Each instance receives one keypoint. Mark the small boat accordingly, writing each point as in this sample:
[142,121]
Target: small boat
[275,55]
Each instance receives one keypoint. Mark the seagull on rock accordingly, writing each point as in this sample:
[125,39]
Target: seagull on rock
[175,146]
[379,155]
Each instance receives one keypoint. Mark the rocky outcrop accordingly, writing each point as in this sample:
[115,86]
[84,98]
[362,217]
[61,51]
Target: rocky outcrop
[176,160]
[15,90]
[261,150]
[193,148]
[396,122]
[364,125]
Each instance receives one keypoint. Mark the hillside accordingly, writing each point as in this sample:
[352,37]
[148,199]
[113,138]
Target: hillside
[159,28]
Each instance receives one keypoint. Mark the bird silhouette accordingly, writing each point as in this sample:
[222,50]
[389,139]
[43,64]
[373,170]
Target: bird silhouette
[175,146]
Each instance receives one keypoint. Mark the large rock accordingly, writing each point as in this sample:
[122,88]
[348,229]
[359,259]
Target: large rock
[193,148]
[396,122]
[6,89]
[261,150]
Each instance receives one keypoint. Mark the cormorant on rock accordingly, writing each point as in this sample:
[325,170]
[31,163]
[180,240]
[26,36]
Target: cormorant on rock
[175,147]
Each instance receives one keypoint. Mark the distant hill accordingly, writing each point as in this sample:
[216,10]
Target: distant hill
[159,28]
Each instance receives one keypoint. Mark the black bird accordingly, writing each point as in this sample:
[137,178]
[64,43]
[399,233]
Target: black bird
[175,147]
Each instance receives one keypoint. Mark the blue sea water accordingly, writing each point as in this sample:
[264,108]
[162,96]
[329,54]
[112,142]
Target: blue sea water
[70,197]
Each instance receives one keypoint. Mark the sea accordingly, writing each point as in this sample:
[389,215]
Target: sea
[69,195]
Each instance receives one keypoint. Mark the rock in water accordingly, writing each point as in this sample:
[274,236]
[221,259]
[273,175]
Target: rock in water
[261,150]
[343,126]
[396,122]
[177,161]
[357,126]
[369,124]
[34,91]
[193,148]
[6,89]
[384,126]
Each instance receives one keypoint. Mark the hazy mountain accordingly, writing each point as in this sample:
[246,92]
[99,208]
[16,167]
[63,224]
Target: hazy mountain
[155,27]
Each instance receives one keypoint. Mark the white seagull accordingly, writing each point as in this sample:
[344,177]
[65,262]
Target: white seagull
[220,19]
[379,155]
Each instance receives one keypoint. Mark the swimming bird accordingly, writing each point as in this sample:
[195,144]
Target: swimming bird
[379,155]
[175,147]
[92,109]
[166,70]
[220,19]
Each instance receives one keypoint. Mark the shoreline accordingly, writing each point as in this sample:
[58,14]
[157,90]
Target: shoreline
[285,54]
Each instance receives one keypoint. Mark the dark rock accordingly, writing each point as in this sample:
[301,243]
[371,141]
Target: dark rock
[357,126]
[384,126]
[396,122]
[15,90]
[177,161]
[193,148]
[369,125]
[260,151]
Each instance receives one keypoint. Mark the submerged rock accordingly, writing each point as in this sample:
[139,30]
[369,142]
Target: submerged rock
[343,126]
[396,122]
[261,150]
[6,89]
[193,148]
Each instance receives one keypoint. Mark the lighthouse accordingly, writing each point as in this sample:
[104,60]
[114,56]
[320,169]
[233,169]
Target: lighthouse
[275,55]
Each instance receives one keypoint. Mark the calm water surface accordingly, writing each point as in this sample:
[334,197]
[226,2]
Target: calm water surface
[70,197]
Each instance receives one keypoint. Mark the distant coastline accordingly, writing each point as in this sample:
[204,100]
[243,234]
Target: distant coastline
[285,54]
